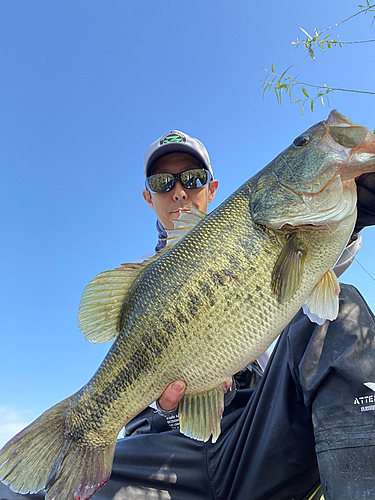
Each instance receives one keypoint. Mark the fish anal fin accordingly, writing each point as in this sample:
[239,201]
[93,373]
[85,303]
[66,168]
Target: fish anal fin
[288,269]
[200,414]
[323,302]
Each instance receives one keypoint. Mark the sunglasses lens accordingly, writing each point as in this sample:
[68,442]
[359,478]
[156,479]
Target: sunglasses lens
[160,183]
[195,178]
[190,179]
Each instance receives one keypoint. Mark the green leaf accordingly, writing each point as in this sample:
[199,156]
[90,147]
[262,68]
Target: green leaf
[272,68]
[312,105]
[277,95]
[305,33]
[282,75]
[304,91]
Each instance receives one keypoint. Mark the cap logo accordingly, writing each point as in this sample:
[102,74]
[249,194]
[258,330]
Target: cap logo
[172,137]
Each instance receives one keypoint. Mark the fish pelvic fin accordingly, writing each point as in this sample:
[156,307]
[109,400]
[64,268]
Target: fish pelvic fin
[287,272]
[323,302]
[42,456]
[200,414]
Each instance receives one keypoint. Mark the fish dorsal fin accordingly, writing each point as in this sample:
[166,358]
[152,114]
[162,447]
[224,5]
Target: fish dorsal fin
[102,300]
[288,269]
[200,414]
[183,225]
[323,302]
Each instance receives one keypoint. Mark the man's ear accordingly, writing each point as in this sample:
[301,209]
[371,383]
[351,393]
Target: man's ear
[212,188]
[147,196]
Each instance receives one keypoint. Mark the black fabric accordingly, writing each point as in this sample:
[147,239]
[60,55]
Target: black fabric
[366,201]
[309,419]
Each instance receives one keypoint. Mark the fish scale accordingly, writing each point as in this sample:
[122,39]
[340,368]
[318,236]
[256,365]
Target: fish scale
[260,251]
[202,309]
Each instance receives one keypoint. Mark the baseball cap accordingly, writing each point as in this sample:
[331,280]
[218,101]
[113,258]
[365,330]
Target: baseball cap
[176,142]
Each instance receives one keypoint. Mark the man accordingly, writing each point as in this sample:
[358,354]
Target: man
[172,154]
[309,419]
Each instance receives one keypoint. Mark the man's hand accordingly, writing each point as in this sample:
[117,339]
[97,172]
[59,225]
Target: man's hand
[172,395]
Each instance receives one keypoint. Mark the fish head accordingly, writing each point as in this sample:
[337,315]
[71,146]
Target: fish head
[312,182]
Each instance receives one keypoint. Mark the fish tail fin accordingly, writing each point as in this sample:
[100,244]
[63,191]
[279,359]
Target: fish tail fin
[44,456]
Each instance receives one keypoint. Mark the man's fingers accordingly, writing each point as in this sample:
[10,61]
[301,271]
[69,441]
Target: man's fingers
[172,395]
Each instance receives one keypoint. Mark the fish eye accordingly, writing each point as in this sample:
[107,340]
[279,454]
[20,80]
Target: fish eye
[302,140]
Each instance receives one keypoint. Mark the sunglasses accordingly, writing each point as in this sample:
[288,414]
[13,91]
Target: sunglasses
[190,179]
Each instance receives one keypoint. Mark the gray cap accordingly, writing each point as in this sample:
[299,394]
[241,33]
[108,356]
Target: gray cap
[176,142]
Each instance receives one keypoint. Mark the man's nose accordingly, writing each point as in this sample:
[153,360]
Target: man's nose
[179,192]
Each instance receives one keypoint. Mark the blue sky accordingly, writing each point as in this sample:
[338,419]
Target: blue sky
[86,86]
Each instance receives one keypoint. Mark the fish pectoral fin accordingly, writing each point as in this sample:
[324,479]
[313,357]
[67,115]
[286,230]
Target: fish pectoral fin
[102,300]
[323,302]
[288,269]
[183,225]
[200,414]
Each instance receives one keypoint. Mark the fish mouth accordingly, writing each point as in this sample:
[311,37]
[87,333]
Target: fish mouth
[354,149]
[311,192]
[318,187]
[313,186]
[354,143]
[325,208]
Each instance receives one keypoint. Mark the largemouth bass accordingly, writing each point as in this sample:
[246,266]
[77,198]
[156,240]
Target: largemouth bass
[202,309]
